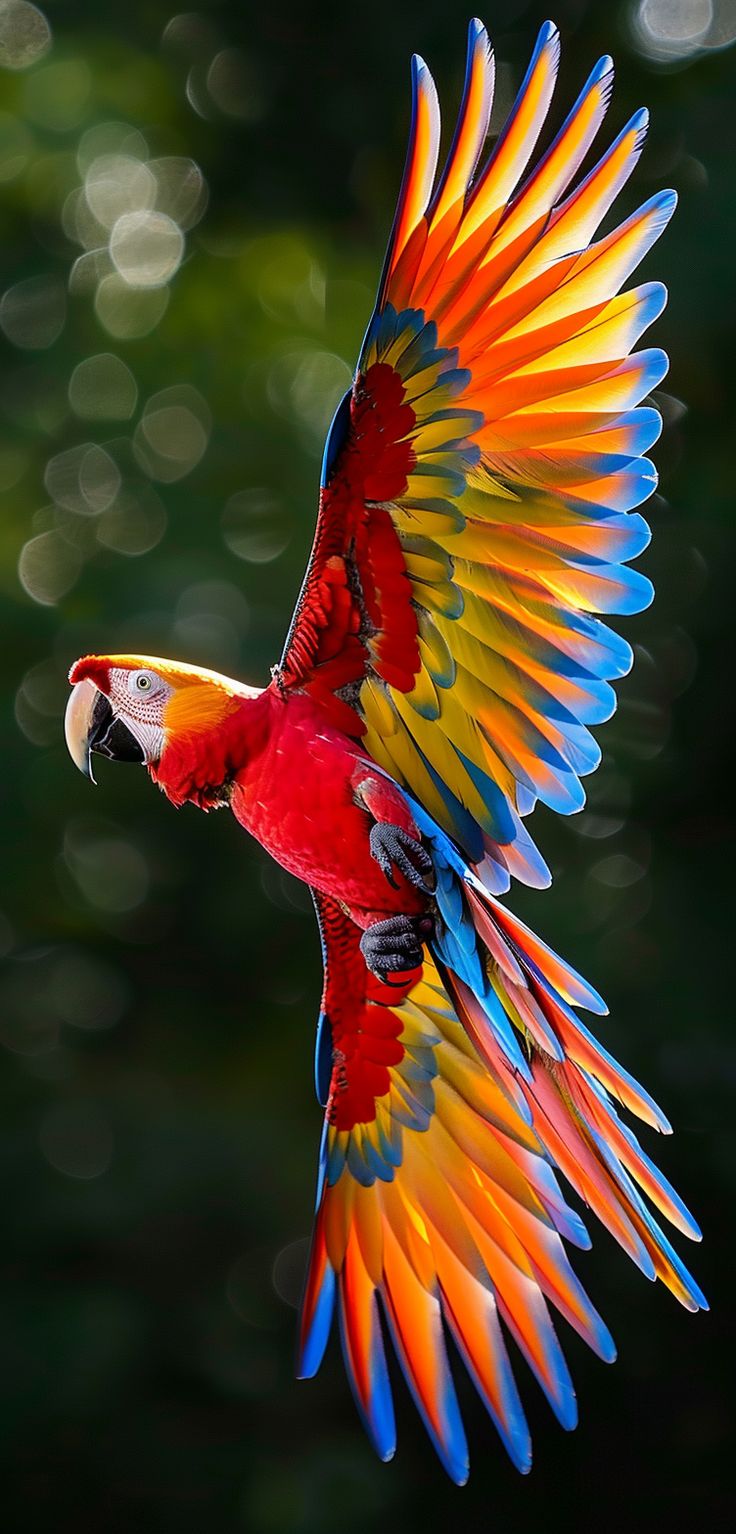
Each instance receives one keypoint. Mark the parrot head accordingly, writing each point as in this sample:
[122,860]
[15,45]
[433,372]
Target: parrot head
[180,721]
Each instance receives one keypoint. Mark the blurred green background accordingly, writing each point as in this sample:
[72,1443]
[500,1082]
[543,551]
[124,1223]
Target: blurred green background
[194,209]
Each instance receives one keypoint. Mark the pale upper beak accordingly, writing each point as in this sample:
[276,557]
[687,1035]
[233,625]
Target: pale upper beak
[91,725]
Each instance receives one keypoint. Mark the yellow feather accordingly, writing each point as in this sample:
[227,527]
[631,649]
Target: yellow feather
[423,696]
[472,1084]
[398,756]
[436,434]
[436,740]
[379,712]
[368,1227]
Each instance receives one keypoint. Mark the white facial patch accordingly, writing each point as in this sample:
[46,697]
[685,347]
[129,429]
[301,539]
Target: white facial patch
[139,699]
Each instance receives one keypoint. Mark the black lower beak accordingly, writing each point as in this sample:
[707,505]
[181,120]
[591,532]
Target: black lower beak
[108,736]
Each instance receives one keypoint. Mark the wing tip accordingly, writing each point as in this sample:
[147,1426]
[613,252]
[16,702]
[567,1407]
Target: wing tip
[565,1408]
[547,33]
[660,208]
[692,1297]
[524,1465]
[607,1350]
[604,67]
[421,75]
[479,42]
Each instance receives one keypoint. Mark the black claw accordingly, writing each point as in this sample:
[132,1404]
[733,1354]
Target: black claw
[393,847]
[395,945]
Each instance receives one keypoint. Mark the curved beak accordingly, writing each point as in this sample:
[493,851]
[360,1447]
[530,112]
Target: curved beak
[90,725]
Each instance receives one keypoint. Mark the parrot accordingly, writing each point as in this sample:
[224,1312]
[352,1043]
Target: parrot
[447,658]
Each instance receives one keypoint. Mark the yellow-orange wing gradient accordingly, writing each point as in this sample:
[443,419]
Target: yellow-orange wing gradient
[480,481]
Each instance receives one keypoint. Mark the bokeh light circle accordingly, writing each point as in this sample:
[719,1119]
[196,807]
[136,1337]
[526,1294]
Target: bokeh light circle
[76,1140]
[103,388]
[33,311]
[146,247]
[128,313]
[116,184]
[84,479]
[25,35]
[671,30]
[48,566]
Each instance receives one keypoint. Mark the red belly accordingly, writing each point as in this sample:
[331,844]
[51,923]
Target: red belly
[298,798]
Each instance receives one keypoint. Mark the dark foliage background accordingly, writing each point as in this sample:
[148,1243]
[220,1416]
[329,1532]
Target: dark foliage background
[160,979]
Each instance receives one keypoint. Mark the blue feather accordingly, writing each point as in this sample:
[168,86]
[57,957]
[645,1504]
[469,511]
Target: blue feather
[323,1059]
[378,1419]
[316,1340]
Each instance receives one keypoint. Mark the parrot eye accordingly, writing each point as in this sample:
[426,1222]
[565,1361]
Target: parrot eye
[142,682]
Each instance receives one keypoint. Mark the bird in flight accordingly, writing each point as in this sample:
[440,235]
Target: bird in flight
[448,653]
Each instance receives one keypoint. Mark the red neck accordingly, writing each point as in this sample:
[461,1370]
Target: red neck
[197,766]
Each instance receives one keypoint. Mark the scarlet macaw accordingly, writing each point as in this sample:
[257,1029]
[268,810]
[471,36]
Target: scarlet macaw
[442,667]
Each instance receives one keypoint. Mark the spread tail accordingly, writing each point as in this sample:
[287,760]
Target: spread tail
[454,1103]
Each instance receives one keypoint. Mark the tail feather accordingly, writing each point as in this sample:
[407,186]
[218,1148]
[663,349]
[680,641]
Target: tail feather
[471,1312]
[414,1315]
[442,1209]
[642,1168]
[318,1305]
[538,958]
[364,1353]
[524,1311]
[572,1113]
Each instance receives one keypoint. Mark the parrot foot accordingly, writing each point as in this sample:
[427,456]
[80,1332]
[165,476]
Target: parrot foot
[393,848]
[395,945]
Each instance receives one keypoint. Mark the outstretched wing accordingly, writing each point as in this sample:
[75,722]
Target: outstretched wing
[480,480]
[438,1205]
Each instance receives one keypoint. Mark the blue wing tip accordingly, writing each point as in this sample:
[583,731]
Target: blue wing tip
[516,1439]
[693,1287]
[547,32]
[379,1422]
[662,203]
[312,1351]
[646,596]
[608,1350]
[605,66]
[458,1473]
